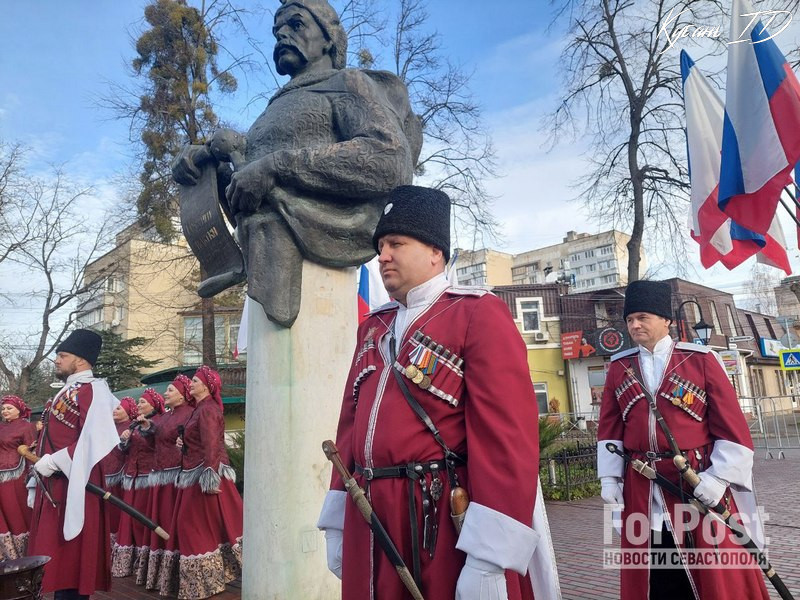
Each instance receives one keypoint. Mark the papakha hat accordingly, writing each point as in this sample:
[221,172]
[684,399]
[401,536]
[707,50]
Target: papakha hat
[653,297]
[84,343]
[419,212]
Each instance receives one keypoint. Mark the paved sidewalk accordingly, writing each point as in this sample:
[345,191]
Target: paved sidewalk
[577,530]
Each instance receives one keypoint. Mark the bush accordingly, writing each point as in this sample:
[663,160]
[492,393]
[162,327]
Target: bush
[236,456]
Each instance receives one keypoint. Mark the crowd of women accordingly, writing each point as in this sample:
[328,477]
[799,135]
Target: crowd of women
[171,465]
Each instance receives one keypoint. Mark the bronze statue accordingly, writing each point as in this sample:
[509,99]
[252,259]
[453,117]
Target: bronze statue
[310,177]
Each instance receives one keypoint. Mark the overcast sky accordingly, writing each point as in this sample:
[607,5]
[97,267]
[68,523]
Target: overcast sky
[57,58]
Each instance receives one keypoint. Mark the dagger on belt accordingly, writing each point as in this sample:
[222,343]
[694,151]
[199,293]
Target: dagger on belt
[719,512]
[381,535]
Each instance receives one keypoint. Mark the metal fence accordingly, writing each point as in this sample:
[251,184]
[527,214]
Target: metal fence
[579,426]
[568,468]
[774,423]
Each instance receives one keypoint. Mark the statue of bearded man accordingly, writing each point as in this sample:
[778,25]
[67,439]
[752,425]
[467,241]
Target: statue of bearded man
[316,165]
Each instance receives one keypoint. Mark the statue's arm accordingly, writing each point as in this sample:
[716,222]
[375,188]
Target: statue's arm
[372,157]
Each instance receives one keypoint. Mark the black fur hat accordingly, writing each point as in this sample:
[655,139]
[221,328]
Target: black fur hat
[653,297]
[419,212]
[84,343]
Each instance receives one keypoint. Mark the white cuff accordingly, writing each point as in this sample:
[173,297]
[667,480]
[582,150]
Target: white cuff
[733,463]
[608,463]
[496,538]
[62,460]
[332,514]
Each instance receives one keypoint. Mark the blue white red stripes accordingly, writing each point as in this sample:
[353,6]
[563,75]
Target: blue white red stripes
[761,127]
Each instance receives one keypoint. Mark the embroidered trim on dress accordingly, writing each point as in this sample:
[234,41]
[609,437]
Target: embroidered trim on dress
[164,476]
[13,546]
[14,472]
[206,477]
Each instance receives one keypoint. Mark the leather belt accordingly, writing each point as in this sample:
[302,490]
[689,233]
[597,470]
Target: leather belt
[411,470]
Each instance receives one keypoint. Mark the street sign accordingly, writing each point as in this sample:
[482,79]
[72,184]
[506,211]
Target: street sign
[740,338]
[790,359]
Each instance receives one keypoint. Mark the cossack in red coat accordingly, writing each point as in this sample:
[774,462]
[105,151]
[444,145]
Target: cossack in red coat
[84,562]
[701,409]
[486,411]
[15,516]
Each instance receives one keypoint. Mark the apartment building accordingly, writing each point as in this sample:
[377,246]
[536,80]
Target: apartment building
[587,262]
[145,288]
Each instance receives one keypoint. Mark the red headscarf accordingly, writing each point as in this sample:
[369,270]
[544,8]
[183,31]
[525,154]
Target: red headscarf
[154,399]
[182,383]
[212,381]
[19,404]
[128,404]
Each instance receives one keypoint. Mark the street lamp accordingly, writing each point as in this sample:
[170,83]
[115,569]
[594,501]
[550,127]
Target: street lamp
[703,329]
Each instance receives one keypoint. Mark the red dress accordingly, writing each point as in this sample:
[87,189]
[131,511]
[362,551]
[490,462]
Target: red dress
[162,567]
[208,527]
[84,562]
[485,410]
[114,468]
[699,422]
[15,516]
[132,545]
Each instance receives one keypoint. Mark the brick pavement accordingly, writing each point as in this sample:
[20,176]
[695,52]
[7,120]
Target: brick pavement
[577,533]
[577,537]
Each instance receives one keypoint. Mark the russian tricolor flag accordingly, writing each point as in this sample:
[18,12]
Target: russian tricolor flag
[371,293]
[761,130]
[720,238]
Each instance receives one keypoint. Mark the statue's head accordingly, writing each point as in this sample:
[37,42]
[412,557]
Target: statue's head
[308,32]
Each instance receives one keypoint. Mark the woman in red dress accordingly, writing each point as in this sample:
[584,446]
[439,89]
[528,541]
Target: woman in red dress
[208,512]
[162,567]
[132,545]
[114,463]
[15,516]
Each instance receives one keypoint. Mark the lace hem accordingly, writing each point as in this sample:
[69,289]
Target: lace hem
[13,546]
[207,574]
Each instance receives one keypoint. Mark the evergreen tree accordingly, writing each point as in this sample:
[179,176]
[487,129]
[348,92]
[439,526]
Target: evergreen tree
[119,363]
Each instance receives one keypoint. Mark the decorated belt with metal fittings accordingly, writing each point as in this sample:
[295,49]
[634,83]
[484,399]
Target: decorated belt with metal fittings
[431,494]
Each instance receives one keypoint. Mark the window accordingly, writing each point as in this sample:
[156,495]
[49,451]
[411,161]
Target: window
[119,313]
[757,377]
[541,397]
[529,311]
[597,381]
[770,328]
[574,257]
[588,254]
[715,318]
[226,330]
[590,268]
[113,285]
[606,250]
[731,320]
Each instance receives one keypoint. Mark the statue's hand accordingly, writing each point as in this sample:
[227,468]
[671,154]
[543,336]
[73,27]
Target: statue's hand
[186,166]
[251,185]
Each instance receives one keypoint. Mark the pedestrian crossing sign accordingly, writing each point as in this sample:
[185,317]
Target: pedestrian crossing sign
[790,360]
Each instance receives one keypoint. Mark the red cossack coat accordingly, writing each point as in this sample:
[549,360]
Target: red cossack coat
[486,411]
[700,407]
[84,562]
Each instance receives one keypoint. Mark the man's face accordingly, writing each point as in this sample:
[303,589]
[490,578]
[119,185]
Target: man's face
[299,41]
[405,263]
[66,364]
[646,328]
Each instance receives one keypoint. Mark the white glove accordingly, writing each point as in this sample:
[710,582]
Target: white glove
[46,466]
[31,485]
[333,543]
[710,489]
[481,580]
[611,490]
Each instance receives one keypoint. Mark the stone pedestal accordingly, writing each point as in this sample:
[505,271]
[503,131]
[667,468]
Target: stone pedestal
[295,379]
